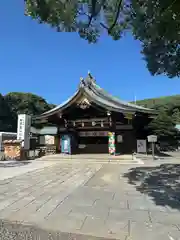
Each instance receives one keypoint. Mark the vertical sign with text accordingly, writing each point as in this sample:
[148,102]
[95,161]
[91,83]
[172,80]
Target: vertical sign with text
[23,129]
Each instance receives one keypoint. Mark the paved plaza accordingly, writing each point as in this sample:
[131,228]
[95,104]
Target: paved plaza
[91,201]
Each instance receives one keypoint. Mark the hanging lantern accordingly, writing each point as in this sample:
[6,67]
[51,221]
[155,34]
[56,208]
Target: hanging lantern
[93,123]
[102,124]
[110,121]
[65,121]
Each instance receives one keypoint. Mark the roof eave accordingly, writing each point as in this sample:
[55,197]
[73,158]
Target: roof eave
[94,93]
[118,102]
[60,107]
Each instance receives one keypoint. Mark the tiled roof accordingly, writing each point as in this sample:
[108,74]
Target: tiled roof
[89,88]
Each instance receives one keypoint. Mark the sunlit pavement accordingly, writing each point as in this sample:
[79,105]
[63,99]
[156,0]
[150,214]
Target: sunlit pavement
[90,201]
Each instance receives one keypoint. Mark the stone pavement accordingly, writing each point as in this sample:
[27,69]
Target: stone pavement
[13,168]
[84,201]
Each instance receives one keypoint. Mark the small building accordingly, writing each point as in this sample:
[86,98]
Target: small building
[85,120]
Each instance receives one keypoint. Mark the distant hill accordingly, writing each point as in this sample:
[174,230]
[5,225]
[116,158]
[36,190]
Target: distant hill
[169,105]
[170,101]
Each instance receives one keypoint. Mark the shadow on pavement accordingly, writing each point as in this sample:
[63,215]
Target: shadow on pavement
[18,231]
[6,164]
[162,183]
[163,154]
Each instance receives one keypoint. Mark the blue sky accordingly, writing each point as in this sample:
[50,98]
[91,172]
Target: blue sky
[34,58]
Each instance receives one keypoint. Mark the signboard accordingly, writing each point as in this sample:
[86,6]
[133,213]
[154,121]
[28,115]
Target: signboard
[152,138]
[128,116]
[94,134]
[21,127]
[49,140]
[81,146]
[23,130]
[141,146]
[124,127]
[119,138]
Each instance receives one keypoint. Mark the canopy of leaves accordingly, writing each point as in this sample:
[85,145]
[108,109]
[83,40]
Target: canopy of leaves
[16,103]
[156,23]
[90,18]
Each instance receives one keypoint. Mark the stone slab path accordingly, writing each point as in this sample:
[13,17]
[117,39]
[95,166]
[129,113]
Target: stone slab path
[12,168]
[83,201]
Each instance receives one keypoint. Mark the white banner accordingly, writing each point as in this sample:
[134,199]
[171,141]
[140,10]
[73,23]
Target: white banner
[23,130]
[141,146]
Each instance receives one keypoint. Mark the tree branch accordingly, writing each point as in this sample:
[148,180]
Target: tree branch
[87,15]
[93,12]
[116,17]
[104,26]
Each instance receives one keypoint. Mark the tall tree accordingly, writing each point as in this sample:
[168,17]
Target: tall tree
[176,115]
[16,103]
[5,113]
[26,103]
[154,22]
[163,126]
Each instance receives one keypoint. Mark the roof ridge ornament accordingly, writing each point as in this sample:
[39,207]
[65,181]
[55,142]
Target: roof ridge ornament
[82,82]
[89,75]
[90,78]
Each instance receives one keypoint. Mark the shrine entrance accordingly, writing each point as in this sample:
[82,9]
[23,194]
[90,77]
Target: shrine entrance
[93,142]
[93,121]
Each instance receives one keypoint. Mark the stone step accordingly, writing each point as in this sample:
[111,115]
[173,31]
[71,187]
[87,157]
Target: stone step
[89,159]
[90,156]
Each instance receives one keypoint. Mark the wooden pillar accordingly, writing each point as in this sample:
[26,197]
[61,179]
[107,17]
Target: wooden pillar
[111,135]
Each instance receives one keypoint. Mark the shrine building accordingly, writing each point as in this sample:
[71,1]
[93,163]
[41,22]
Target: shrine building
[85,121]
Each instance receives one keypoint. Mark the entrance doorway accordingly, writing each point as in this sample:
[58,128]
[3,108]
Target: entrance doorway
[93,144]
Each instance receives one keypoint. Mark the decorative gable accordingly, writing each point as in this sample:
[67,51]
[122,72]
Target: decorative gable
[84,103]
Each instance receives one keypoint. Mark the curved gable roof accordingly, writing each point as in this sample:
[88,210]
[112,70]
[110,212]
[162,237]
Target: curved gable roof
[95,93]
